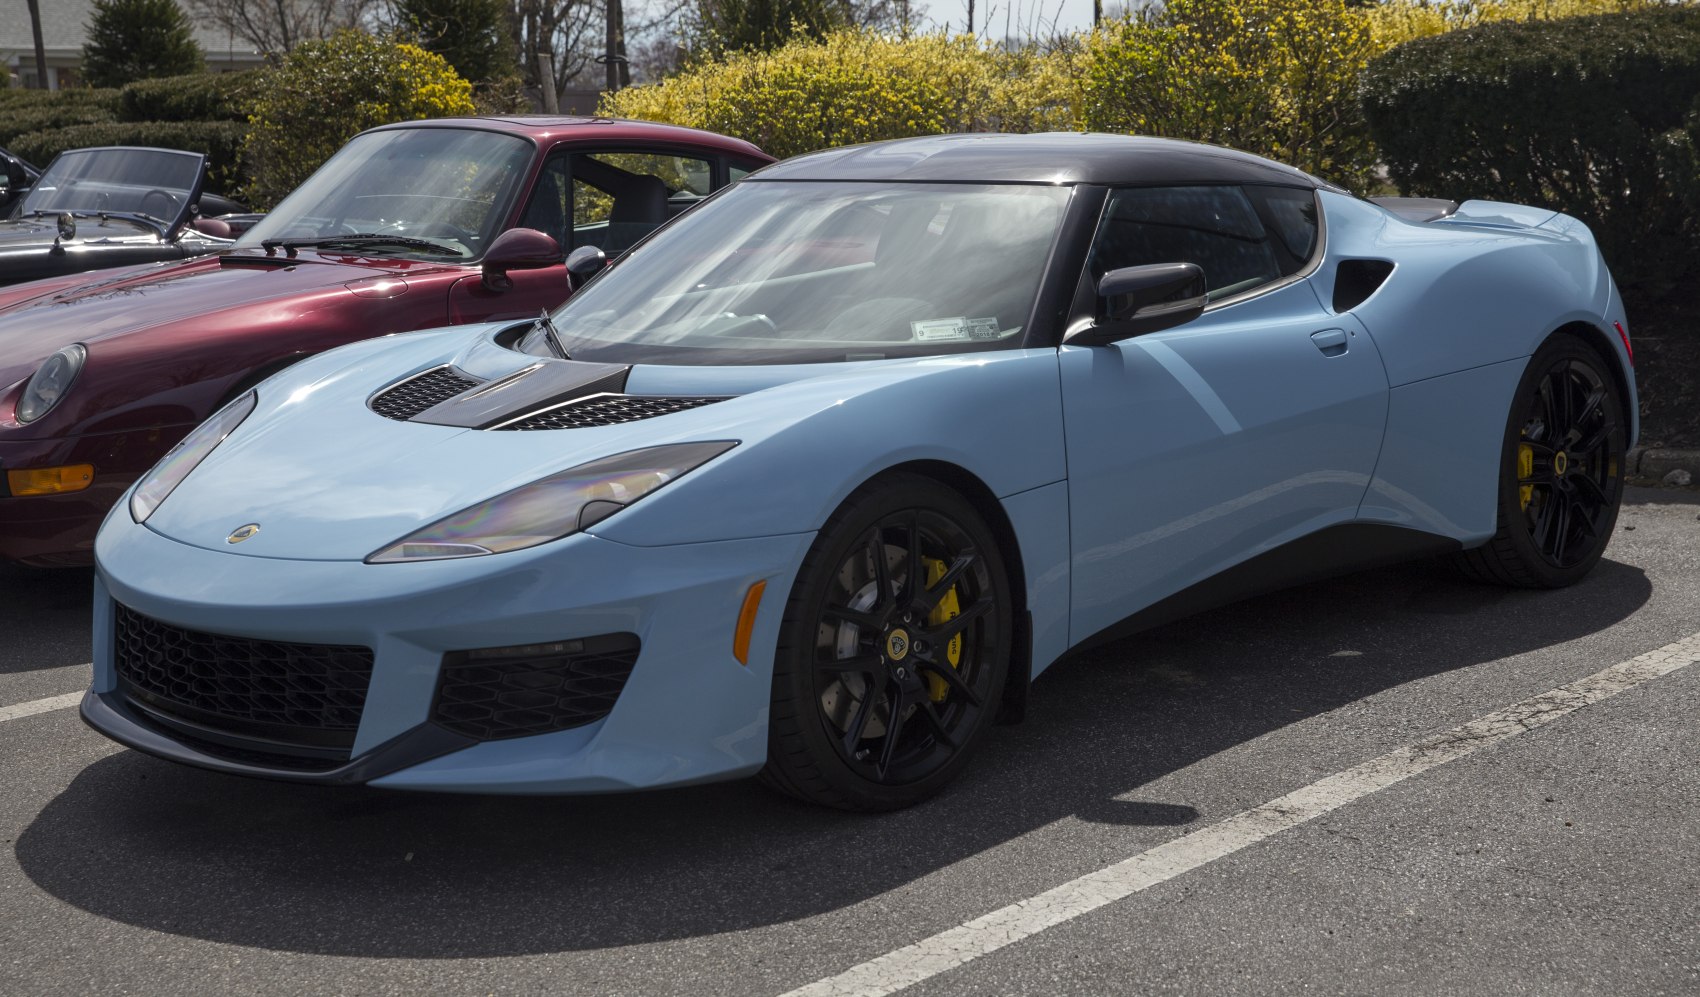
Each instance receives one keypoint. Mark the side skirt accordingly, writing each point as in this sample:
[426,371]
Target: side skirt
[1328,553]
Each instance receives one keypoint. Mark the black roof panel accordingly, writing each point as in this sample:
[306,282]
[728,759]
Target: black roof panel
[1051,157]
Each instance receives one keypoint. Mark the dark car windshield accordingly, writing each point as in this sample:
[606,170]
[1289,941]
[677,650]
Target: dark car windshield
[449,187]
[153,182]
[803,272]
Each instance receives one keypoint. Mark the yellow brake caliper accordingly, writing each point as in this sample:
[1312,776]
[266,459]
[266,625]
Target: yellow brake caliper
[948,608]
[1525,471]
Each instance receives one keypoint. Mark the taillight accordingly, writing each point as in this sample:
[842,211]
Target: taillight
[1626,347]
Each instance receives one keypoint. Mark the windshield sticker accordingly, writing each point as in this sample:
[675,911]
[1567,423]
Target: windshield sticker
[954,330]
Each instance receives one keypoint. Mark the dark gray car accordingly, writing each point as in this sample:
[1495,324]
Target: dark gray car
[108,207]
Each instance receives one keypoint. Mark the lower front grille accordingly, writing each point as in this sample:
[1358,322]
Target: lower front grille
[498,693]
[283,694]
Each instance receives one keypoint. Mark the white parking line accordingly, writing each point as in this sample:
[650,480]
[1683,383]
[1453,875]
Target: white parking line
[929,957]
[36,706]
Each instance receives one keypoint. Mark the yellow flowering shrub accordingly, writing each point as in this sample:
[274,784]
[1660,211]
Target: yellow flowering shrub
[1273,77]
[859,86]
[328,91]
[1394,22]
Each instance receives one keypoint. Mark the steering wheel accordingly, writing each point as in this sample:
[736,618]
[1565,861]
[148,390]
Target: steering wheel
[170,211]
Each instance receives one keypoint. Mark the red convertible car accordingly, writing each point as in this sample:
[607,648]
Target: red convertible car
[408,226]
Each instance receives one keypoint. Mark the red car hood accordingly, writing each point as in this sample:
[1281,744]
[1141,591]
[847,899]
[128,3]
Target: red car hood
[36,319]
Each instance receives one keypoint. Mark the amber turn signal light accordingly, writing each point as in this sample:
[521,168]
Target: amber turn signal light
[747,623]
[50,480]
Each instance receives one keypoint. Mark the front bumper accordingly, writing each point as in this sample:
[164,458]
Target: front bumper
[52,530]
[688,713]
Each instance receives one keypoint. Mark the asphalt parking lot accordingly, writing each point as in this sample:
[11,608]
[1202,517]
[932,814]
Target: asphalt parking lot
[1556,856]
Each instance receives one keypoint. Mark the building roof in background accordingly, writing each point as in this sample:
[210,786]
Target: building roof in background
[63,30]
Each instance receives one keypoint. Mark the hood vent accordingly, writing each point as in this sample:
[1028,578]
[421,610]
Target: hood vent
[607,410]
[407,399]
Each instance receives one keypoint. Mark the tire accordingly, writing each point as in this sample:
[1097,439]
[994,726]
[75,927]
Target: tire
[1561,472]
[864,639]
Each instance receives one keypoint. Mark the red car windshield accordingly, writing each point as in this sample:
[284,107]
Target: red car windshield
[442,192]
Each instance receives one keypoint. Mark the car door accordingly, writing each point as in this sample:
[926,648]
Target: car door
[608,198]
[1197,447]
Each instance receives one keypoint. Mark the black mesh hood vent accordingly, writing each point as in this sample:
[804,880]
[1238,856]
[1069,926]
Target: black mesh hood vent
[421,391]
[608,410]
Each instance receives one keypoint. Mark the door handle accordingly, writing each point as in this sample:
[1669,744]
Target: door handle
[1332,342]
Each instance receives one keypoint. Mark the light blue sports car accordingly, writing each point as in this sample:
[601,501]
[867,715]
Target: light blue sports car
[818,479]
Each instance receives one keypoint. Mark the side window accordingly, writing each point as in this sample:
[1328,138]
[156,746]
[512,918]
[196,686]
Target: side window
[736,173]
[1240,237]
[551,205]
[620,197]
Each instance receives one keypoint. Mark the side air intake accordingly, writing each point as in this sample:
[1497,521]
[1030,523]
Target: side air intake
[607,410]
[421,391]
[1356,280]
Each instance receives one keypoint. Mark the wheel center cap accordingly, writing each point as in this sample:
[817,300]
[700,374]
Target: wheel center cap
[1560,462]
[897,645]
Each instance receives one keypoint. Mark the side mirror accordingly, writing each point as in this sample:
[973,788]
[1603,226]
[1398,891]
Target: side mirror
[584,263]
[518,249]
[1133,301]
[17,177]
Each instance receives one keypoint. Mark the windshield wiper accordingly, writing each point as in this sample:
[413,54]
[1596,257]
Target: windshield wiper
[546,325]
[358,239]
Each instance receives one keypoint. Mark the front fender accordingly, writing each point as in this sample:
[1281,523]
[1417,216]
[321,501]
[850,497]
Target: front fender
[809,444]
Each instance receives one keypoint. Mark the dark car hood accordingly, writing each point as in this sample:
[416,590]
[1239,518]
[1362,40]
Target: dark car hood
[110,305]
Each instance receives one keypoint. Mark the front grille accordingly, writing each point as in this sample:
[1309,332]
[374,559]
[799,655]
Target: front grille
[608,410]
[301,694]
[492,695]
[420,392]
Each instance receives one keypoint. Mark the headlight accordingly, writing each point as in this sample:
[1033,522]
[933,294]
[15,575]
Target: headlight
[183,458]
[552,507]
[51,382]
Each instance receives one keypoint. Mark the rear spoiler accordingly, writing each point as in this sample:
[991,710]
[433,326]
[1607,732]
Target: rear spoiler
[1493,214]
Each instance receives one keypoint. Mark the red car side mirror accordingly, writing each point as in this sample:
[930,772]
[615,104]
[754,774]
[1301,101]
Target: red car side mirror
[518,249]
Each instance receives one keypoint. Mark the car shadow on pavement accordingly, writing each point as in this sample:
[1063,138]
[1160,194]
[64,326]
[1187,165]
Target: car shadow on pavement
[38,608]
[362,872]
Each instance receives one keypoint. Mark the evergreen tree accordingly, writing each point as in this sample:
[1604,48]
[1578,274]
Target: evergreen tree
[471,34]
[138,39]
[763,25]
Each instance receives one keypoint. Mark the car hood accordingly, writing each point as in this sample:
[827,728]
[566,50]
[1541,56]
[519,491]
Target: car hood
[132,301]
[327,478]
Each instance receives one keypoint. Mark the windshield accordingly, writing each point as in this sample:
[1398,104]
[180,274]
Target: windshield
[443,192]
[804,272]
[152,182]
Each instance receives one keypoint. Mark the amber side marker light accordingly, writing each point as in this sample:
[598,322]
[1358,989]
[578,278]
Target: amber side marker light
[50,480]
[747,623]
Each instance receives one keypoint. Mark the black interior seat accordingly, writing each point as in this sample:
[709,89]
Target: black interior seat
[640,205]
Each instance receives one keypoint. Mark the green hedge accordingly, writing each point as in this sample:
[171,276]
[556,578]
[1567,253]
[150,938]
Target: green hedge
[13,98]
[1580,115]
[32,117]
[220,140]
[195,97]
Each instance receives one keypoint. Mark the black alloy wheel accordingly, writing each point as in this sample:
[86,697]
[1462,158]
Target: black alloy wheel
[893,650]
[1561,479]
